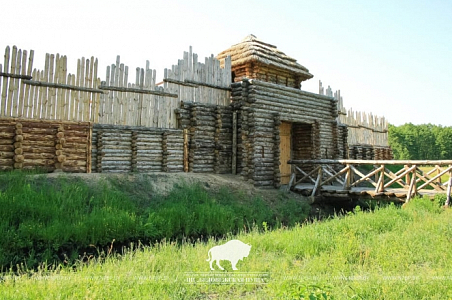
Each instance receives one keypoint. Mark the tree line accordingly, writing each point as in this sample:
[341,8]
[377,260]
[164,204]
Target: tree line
[424,141]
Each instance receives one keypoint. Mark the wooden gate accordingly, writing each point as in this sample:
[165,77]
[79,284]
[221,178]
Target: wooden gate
[285,147]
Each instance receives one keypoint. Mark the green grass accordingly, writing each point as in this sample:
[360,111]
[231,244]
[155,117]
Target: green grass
[390,253]
[57,220]
[387,253]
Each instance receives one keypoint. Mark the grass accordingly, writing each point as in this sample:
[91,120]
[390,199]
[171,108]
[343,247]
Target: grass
[390,253]
[387,253]
[60,219]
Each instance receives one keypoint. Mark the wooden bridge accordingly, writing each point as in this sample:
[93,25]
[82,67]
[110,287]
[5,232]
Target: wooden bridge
[395,180]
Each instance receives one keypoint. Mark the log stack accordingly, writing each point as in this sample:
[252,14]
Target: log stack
[262,107]
[173,151]
[47,145]
[202,138]
[60,158]
[19,157]
[223,140]
[7,133]
[276,151]
[370,152]
[136,149]
[342,141]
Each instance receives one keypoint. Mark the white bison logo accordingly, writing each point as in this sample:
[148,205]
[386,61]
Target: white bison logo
[233,251]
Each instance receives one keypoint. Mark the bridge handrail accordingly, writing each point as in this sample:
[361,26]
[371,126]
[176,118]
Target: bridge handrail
[410,177]
[369,162]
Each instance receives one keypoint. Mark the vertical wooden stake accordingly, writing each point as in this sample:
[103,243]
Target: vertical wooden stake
[448,189]
[438,171]
[234,143]
[317,182]
[412,189]
[185,150]
[348,178]
[407,176]
[90,146]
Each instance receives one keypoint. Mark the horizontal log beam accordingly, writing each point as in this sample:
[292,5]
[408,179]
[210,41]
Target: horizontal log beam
[63,86]
[15,75]
[370,162]
[104,88]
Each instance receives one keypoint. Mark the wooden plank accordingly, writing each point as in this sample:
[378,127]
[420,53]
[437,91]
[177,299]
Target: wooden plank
[285,148]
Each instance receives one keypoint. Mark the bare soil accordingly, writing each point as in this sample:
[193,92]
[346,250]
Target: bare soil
[163,183]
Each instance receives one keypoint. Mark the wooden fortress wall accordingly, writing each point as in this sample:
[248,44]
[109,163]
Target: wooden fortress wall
[48,145]
[262,107]
[370,152]
[136,149]
[210,136]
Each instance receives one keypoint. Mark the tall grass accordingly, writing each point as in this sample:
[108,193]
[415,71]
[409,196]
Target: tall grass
[60,219]
[388,253]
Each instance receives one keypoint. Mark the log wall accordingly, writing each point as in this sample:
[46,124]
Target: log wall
[136,149]
[48,145]
[262,106]
[369,152]
[210,136]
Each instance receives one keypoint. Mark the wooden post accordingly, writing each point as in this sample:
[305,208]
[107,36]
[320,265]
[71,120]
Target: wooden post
[60,158]
[99,147]
[234,143]
[412,188]
[317,182]
[438,171]
[407,176]
[348,178]
[186,150]
[133,145]
[291,181]
[18,150]
[381,180]
[89,148]
[449,183]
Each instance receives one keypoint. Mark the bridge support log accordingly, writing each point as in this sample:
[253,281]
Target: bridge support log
[449,183]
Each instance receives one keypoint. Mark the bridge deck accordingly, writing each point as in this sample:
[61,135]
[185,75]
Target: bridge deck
[335,191]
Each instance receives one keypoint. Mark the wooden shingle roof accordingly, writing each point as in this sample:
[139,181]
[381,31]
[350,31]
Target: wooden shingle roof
[251,49]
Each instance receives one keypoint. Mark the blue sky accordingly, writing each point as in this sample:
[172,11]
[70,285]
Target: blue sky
[391,58]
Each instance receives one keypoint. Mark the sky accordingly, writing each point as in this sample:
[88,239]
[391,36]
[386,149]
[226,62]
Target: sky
[392,58]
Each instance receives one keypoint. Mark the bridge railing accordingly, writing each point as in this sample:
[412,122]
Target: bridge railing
[345,175]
